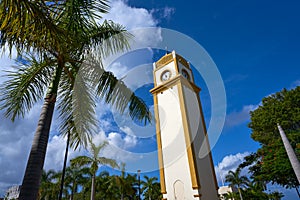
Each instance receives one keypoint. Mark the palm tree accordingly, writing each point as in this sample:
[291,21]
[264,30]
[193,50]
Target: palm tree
[93,161]
[126,184]
[255,190]
[53,37]
[148,186]
[106,187]
[48,189]
[64,167]
[235,180]
[275,195]
[229,196]
[75,177]
[290,152]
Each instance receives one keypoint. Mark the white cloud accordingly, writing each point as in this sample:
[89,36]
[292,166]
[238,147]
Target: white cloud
[295,84]
[134,19]
[118,145]
[127,130]
[15,143]
[238,117]
[130,17]
[118,69]
[168,12]
[229,163]
[7,62]
[164,13]
[56,152]
[123,142]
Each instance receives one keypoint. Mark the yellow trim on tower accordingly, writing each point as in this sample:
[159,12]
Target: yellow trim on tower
[164,61]
[159,147]
[170,83]
[176,65]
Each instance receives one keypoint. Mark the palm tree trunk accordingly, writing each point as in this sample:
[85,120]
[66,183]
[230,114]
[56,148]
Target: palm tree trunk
[34,168]
[72,191]
[93,186]
[64,168]
[290,152]
[240,193]
[33,173]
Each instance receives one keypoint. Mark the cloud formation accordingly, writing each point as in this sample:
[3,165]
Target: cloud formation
[130,17]
[238,117]
[229,163]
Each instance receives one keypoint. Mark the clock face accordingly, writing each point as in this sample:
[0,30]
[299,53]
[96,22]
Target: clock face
[166,75]
[185,74]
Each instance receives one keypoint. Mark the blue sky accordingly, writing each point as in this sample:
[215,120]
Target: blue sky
[254,44]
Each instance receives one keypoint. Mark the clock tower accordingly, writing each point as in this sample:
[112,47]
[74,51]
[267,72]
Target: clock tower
[185,174]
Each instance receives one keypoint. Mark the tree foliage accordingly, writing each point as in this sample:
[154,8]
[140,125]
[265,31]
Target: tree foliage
[108,187]
[270,163]
[151,188]
[247,188]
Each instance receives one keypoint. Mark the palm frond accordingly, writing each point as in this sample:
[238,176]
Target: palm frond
[76,110]
[25,86]
[81,161]
[114,91]
[108,39]
[95,150]
[89,9]
[79,16]
[117,94]
[107,161]
[27,25]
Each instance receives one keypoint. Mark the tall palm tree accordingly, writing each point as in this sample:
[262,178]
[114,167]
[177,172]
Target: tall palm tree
[58,34]
[235,180]
[290,152]
[93,161]
[148,186]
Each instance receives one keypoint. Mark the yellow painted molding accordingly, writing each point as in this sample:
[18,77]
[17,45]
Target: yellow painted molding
[164,61]
[159,147]
[174,81]
[176,65]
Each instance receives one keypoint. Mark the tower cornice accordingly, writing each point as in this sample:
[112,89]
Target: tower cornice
[174,81]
